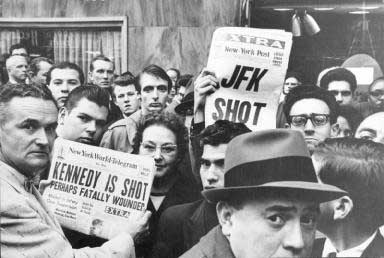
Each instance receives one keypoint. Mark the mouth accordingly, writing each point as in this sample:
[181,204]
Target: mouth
[40,153]
[155,105]
[209,187]
[86,140]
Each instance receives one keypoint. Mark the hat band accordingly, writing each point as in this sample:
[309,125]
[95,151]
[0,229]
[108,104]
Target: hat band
[294,168]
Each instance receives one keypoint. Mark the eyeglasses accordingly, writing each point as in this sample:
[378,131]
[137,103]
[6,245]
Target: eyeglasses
[376,93]
[316,119]
[167,149]
[291,83]
[344,93]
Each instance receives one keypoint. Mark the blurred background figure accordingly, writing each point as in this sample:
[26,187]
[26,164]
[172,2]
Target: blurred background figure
[39,68]
[372,128]
[347,122]
[375,101]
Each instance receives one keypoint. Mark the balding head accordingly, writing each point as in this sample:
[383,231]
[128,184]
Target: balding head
[372,128]
[17,67]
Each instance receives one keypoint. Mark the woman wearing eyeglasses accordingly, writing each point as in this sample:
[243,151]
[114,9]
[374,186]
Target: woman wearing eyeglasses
[164,137]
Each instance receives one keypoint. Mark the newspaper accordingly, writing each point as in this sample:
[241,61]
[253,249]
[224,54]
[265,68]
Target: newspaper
[250,65]
[94,190]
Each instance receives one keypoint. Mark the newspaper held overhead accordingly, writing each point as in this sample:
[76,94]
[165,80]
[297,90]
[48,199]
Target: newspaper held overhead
[250,65]
[94,190]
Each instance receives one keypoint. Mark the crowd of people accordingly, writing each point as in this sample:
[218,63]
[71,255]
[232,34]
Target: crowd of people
[312,187]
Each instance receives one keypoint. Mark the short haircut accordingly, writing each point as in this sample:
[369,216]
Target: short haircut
[311,92]
[94,94]
[66,65]
[168,120]
[338,74]
[35,64]
[294,74]
[374,82]
[222,131]
[155,71]
[124,82]
[9,60]
[9,91]
[102,58]
[352,115]
[177,71]
[356,166]
[17,46]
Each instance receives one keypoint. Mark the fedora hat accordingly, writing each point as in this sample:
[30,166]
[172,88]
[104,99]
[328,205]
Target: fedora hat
[275,160]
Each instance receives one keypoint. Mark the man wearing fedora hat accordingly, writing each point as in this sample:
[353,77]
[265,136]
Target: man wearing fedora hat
[269,204]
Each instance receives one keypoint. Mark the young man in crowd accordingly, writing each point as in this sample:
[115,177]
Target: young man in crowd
[18,50]
[269,204]
[341,83]
[351,223]
[39,69]
[28,229]
[126,95]
[183,225]
[62,78]
[375,101]
[84,115]
[101,72]
[154,85]
[17,69]
[372,128]
[312,111]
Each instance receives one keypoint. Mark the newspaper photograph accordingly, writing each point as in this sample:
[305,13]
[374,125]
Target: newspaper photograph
[94,190]
[250,65]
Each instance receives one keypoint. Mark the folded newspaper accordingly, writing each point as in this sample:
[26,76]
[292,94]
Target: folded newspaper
[250,65]
[94,190]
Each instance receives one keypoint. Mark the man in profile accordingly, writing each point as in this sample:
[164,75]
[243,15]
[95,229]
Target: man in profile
[28,120]
[17,69]
[269,204]
[39,69]
[351,222]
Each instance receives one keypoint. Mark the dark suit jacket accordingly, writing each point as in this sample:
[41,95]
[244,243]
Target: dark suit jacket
[374,249]
[182,226]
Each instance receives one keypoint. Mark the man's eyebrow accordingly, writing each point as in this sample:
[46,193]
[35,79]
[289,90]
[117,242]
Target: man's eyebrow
[281,208]
[30,120]
[368,130]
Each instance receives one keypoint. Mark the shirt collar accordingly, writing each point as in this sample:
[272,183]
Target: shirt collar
[15,178]
[356,251]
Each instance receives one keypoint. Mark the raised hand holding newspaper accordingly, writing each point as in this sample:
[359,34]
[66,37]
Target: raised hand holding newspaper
[250,65]
[95,190]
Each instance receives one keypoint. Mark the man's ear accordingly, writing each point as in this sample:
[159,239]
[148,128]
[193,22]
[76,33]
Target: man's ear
[287,126]
[63,112]
[335,130]
[90,77]
[224,214]
[343,207]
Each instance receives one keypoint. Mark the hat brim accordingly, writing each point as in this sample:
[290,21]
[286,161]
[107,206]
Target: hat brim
[308,191]
[183,107]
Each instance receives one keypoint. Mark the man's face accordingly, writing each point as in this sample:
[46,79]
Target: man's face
[289,84]
[376,94]
[313,133]
[372,128]
[127,99]
[173,76]
[270,228]
[160,143]
[102,74]
[342,92]
[28,133]
[18,69]
[84,123]
[343,129]
[212,166]
[41,76]
[154,93]
[63,81]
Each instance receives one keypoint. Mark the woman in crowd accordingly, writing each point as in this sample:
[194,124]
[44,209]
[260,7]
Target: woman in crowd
[163,137]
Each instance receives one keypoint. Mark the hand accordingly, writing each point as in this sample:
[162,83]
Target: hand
[138,224]
[205,84]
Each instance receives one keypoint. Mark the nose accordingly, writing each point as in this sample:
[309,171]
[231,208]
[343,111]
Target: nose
[157,155]
[155,95]
[41,137]
[126,98]
[293,239]
[64,88]
[309,129]
[339,98]
[211,174]
[91,127]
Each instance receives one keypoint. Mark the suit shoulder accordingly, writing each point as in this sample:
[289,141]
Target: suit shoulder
[181,210]
[119,123]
